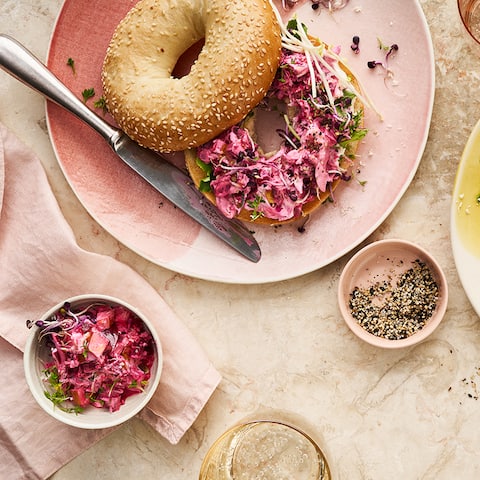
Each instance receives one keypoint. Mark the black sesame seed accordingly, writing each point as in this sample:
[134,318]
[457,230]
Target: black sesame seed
[396,311]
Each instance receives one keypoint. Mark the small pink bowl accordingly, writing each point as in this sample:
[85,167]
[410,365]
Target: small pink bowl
[386,261]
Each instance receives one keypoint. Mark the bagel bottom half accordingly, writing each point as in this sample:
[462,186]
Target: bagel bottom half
[197,175]
[248,213]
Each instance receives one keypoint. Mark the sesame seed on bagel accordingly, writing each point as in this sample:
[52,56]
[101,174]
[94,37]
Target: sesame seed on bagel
[233,71]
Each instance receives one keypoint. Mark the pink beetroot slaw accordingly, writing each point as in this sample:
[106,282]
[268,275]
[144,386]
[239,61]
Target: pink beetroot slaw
[321,121]
[99,356]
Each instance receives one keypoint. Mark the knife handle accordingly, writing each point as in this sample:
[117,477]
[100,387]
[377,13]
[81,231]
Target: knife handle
[24,66]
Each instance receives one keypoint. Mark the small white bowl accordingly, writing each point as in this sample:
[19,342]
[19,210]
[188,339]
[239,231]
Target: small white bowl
[386,261]
[90,417]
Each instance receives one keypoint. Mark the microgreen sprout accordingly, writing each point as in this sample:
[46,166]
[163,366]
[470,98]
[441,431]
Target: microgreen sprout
[331,5]
[373,63]
[287,138]
[254,204]
[390,51]
[393,49]
[291,128]
[355,44]
[381,45]
[56,394]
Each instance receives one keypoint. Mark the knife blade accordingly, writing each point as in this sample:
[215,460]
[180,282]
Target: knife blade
[167,179]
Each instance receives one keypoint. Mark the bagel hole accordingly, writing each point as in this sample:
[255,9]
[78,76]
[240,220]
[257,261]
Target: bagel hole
[267,122]
[187,59]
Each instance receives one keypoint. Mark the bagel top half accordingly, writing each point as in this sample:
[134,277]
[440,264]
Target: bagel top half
[231,75]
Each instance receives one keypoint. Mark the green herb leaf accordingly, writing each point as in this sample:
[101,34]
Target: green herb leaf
[205,181]
[71,64]
[100,103]
[88,93]
[56,394]
[359,134]
[292,27]
[254,206]
[355,137]
[381,45]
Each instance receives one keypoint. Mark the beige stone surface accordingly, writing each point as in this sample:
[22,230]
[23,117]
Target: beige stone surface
[408,414]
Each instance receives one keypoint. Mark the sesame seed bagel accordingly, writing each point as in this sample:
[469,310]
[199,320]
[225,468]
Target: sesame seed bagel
[230,76]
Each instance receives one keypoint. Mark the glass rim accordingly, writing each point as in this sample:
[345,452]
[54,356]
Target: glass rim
[249,424]
[464,23]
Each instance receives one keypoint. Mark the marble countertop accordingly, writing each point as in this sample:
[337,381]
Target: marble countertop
[410,414]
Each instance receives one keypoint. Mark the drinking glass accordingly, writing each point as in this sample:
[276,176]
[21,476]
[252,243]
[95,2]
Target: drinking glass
[469,11]
[266,450]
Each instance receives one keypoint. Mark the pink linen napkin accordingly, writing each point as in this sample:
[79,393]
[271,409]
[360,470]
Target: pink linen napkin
[41,265]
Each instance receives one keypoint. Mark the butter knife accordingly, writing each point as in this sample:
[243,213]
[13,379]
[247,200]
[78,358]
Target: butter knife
[170,181]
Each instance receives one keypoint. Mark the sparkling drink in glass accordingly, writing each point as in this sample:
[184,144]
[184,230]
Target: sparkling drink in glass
[266,450]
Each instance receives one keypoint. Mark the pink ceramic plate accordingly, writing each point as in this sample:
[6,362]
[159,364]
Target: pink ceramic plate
[140,218]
